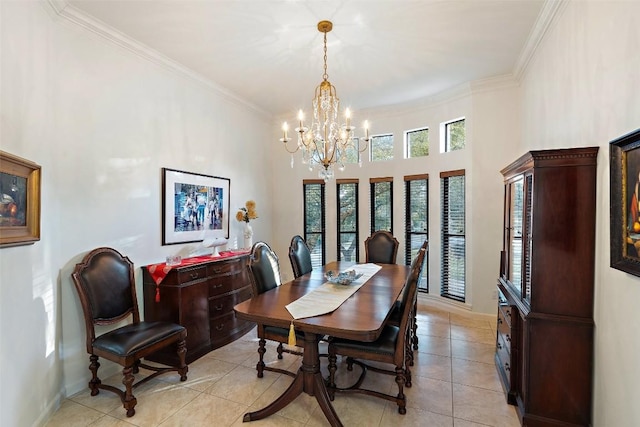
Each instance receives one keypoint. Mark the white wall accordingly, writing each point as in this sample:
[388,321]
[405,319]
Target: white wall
[102,122]
[581,89]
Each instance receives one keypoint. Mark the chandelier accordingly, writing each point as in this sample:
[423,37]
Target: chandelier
[326,142]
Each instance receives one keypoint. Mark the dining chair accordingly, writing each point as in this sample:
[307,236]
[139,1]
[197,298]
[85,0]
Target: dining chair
[381,247]
[396,313]
[390,347]
[300,256]
[106,287]
[265,275]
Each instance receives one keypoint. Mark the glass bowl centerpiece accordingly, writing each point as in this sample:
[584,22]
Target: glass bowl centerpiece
[342,278]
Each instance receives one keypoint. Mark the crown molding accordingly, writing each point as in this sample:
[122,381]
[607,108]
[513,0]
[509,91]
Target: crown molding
[549,12]
[72,14]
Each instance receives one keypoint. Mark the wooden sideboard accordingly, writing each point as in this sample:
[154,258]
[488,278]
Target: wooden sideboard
[200,297]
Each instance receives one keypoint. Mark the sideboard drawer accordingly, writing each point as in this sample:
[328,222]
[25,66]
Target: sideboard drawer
[224,304]
[220,285]
[232,266]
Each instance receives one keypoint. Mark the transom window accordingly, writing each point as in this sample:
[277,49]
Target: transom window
[417,143]
[381,147]
[454,135]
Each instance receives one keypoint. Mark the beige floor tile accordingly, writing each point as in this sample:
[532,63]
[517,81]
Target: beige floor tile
[157,401]
[241,385]
[413,418]
[109,421]
[476,374]
[72,413]
[206,410]
[434,345]
[431,366]
[354,410]
[274,420]
[458,422]
[483,406]
[484,336]
[237,352]
[434,329]
[470,350]
[430,395]
[470,321]
[432,315]
[203,373]
[299,410]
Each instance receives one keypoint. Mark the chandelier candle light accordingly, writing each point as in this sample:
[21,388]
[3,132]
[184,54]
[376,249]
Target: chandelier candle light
[326,141]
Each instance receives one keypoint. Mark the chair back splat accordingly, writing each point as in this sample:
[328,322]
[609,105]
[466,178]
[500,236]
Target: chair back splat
[105,284]
[300,257]
[381,247]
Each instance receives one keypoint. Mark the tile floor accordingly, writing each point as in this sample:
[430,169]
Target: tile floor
[455,383]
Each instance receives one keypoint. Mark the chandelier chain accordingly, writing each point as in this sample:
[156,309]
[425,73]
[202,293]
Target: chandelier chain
[325,76]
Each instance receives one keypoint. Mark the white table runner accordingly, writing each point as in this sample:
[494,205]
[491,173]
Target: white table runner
[329,296]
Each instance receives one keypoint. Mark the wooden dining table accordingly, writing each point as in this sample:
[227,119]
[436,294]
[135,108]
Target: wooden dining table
[361,317]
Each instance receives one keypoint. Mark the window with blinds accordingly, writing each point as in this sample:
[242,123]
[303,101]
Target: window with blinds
[381,204]
[416,196]
[347,195]
[453,256]
[314,220]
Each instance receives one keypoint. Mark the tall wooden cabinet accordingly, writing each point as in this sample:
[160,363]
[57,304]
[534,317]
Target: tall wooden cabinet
[200,297]
[544,341]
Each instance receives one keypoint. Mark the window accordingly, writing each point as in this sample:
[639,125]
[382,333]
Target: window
[381,204]
[454,135]
[347,194]
[352,152]
[417,143]
[416,190]
[314,220]
[381,147]
[453,235]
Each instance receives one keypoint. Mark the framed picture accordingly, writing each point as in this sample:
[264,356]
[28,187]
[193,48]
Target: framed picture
[624,157]
[193,205]
[19,201]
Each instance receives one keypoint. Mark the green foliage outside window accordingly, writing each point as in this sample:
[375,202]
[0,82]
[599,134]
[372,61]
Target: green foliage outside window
[418,143]
[456,135]
[381,148]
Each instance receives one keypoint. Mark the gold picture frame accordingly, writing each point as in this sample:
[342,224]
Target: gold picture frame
[624,155]
[19,201]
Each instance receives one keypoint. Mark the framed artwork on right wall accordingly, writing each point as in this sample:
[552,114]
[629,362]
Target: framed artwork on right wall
[624,158]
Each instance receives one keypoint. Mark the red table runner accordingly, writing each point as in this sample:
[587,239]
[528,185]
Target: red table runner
[159,271]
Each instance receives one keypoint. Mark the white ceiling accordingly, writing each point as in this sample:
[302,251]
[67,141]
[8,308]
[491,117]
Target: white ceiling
[380,52]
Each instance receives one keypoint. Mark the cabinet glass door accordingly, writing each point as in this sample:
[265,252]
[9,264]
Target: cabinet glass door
[514,232]
[528,198]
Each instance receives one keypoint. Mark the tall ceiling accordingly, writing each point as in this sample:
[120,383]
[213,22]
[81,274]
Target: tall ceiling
[269,53]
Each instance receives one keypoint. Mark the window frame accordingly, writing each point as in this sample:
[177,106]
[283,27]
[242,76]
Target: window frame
[423,284]
[307,233]
[407,148]
[339,231]
[372,144]
[446,134]
[373,182]
[446,289]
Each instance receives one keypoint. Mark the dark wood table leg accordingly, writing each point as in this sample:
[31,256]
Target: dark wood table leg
[308,379]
